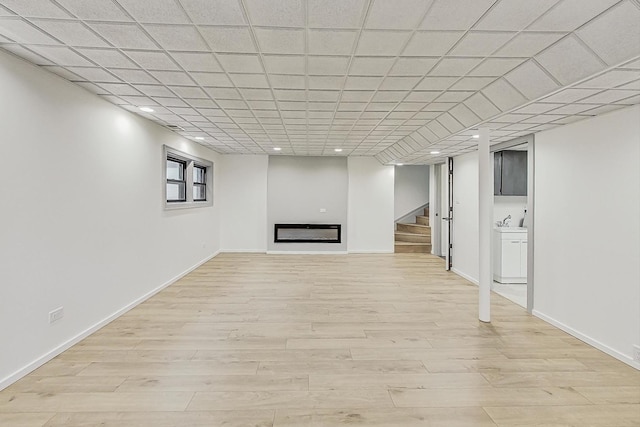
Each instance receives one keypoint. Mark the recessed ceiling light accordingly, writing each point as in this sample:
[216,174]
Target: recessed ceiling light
[146,109]
[277,148]
[199,138]
[399,164]
[337,150]
[476,136]
[435,152]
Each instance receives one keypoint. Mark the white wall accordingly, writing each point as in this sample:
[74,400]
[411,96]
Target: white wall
[587,230]
[465,216]
[504,206]
[298,189]
[82,216]
[371,217]
[411,189]
[244,203]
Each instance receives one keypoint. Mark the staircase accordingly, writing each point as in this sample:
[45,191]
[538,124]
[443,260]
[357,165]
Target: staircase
[414,238]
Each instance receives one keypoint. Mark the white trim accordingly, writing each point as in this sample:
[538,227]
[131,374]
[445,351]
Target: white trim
[12,378]
[591,341]
[464,275]
[307,252]
[243,251]
[371,251]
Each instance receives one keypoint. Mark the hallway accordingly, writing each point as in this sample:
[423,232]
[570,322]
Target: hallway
[324,340]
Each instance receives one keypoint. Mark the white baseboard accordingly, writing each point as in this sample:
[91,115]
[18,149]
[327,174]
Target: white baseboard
[592,342]
[372,251]
[307,252]
[243,251]
[10,379]
[465,276]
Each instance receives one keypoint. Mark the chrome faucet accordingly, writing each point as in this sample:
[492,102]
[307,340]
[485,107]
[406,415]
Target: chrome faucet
[505,222]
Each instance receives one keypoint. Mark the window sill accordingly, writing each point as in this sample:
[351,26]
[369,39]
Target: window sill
[187,205]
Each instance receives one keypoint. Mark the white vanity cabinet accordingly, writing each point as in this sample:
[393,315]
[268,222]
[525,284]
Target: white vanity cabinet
[510,255]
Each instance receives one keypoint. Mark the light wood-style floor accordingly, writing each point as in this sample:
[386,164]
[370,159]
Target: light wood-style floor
[304,340]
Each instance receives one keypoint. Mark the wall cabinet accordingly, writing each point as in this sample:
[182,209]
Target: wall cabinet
[510,255]
[510,173]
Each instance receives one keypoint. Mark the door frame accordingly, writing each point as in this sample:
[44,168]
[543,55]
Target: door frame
[530,140]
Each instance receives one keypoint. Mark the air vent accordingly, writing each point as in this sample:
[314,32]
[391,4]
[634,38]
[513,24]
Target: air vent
[175,127]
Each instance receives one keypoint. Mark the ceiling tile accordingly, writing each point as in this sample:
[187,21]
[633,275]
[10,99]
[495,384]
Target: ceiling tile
[433,83]
[224,93]
[100,10]
[381,43]
[61,55]
[531,80]
[62,72]
[335,65]
[464,115]
[370,66]
[568,96]
[94,74]
[276,13]
[157,11]
[455,14]
[481,106]
[154,90]
[514,15]
[611,79]
[172,77]
[177,37]
[35,9]
[108,58]
[152,60]
[335,13]
[354,83]
[119,89]
[449,122]
[496,66]
[412,66]
[397,14]
[570,14]
[196,61]
[432,43]
[399,83]
[214,12]
[615,35]
[349,95]
[472,83]
[481,43]
[257,94]
[133,76]
[23,32]
[503,95]
[422,96]
[290,95]
[127,36]
[287,81]
[249,80]
[188,92]
[451,96]
[389,96]
[325,42]
[284,64]
[240,63]
[612,96]
[228,39]
[538,108]
[72,33]
[454,66]
[569,61]
[528,44]
[272,40]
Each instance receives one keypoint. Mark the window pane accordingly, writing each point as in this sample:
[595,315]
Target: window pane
[199,192]
[175,170]
[176,192]
[199,174]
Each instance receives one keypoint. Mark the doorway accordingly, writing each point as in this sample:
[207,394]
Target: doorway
[512,235]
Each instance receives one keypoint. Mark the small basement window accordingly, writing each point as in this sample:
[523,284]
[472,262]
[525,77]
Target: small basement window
[188,180]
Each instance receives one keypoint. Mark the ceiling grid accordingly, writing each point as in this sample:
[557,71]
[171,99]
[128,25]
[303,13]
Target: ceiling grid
[405,81]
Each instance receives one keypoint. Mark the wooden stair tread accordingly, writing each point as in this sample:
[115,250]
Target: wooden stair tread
[406,233]
[414,224]
[399,243]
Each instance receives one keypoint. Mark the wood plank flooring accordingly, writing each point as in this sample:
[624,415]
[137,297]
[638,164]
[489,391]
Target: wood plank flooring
[307,340]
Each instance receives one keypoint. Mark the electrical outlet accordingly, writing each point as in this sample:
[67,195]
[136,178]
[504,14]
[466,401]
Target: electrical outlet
[56,315]
[323,210]
[636,353]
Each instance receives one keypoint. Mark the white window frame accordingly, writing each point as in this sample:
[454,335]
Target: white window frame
[190,161]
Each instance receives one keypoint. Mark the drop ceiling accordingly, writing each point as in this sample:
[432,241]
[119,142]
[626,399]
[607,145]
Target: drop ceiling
[403,80]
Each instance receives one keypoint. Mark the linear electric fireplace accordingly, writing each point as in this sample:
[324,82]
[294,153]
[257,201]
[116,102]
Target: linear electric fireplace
[307,233]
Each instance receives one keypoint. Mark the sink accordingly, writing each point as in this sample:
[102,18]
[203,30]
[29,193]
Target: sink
[510,229]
